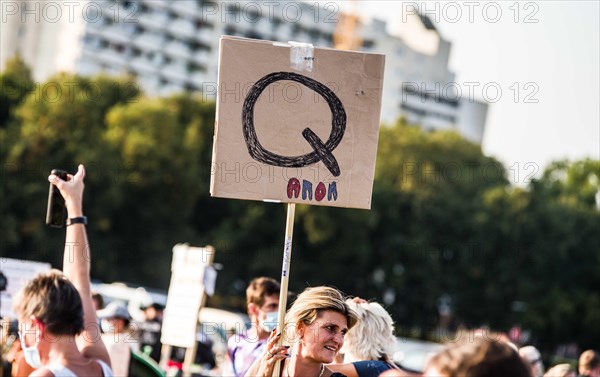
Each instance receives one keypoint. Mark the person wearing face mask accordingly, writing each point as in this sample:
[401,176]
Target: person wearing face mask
[313,334]
[58,330]
[262,301]
[117,337]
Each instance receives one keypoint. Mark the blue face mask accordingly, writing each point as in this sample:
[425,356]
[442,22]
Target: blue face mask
[31,353]
[270,321]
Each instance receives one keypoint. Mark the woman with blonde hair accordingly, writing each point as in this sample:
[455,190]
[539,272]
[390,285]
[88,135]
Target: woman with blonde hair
[369,345]
[314,331]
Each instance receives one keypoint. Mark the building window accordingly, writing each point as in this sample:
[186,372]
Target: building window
[229,30]
[368,44]
[253,34]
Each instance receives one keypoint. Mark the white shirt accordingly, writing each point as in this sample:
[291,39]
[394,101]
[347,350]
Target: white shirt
[119,346]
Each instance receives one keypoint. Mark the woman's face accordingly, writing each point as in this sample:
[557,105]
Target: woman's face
[323,339]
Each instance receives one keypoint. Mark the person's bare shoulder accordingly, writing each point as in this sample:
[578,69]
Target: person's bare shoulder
[42,372]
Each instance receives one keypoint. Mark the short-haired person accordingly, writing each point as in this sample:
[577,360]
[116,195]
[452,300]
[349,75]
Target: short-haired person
[57,322]
[368,346]
[480,357]
[117,337]
[314,331]
[589,364]
[262,304]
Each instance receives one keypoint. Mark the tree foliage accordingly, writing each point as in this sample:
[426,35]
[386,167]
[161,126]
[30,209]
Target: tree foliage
[446,224]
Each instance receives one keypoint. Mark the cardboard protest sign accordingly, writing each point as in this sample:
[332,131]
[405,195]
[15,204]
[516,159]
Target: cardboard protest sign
[296,124]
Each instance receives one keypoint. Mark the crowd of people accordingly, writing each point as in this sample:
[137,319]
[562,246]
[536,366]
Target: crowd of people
[64,330]
[327,336]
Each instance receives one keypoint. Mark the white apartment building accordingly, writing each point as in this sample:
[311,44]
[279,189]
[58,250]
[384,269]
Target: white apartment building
[172,46]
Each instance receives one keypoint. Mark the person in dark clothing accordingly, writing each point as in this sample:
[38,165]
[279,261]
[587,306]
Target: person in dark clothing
[149,331]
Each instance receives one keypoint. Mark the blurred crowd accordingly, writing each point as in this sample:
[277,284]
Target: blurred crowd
[360,343]
[63,329]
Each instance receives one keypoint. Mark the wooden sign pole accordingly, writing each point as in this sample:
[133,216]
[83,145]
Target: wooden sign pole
[285,275]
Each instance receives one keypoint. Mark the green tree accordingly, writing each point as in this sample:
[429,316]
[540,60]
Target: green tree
[428,186]
[56,126]
[15,84]
[162,146]
[563,284]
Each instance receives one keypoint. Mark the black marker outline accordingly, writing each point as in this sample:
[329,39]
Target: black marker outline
[321,151]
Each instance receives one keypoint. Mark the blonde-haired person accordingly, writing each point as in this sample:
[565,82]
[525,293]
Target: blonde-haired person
[59,332]
[369,345]
[314,332]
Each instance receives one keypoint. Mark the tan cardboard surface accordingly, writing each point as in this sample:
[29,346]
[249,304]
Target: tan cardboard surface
[262,149]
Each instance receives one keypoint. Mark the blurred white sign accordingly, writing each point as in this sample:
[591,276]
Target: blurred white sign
[18,272]
[185,294]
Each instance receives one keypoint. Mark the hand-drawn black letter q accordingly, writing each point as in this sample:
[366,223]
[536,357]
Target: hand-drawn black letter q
[321,151]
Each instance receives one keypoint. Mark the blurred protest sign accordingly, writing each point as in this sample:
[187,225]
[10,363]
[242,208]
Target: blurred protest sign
[186,294]
[296,124]
[18,273]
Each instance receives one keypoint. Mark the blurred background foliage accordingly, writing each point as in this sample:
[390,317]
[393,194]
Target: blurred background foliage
[449,230]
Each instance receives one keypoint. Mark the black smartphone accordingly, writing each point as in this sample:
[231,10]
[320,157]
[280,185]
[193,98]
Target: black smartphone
[55,214]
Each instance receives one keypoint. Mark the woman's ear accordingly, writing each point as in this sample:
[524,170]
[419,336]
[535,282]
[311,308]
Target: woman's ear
[300,327]
[37,323]
[39,327]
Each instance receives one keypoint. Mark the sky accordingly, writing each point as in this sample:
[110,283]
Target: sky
[544,58]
